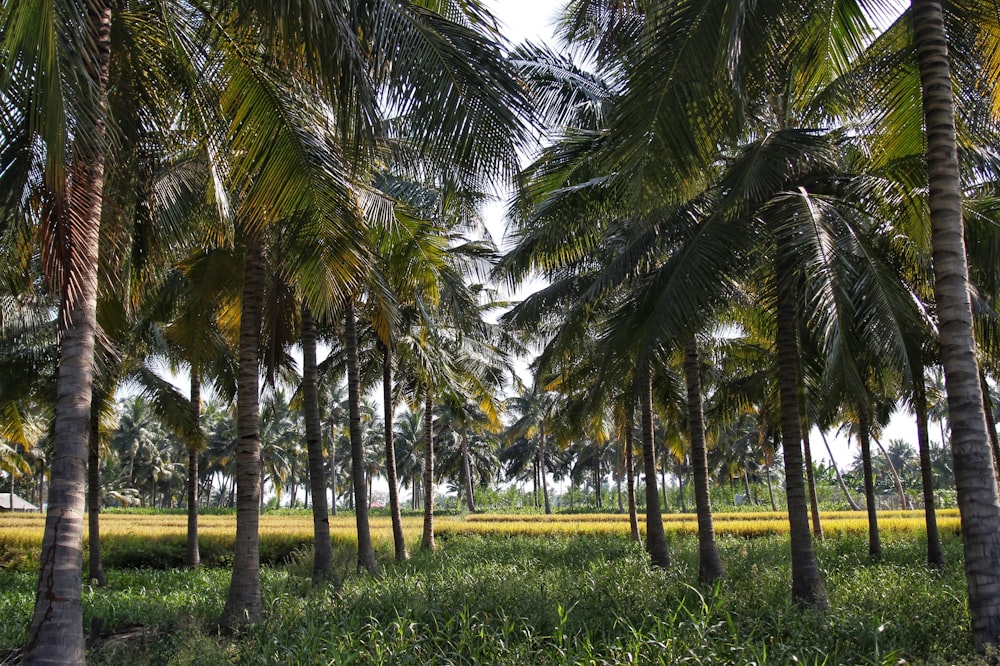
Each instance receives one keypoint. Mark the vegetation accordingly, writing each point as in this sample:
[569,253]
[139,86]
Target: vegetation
[755,222]
[571,598]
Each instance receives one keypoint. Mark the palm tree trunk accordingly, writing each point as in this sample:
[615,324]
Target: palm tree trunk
[935,554]
[975,477]
[56,633]
[541,469]
[427,538]
[807,585]
[811,481]
[770,488]
[192,555]
[366,553]
[894,473]
[333,473]
[243,603]
[96,566]
[534,480]
[398,540]
[618,487]
[656,539]
[663,482]
[991,426]
[322,549]
[633,516]
[467,470]
[598,500]
[840,479]
[864,438]
[709,563]
[680,486]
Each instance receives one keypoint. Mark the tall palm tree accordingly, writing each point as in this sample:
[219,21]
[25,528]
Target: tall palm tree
[60,84]
[975,476]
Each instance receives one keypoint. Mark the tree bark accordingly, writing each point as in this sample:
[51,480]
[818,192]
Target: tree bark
[56,633]
[656,539]
[894,473]
[709,563]
[427,538]
[633,516]
[467,470]
[935,554]
[333,471]
[598,500]
[243,603]
[991,426]
[840,479]
[975,477]
[864,438]
[541,469]
[95,566]
[366,553]
[192,556]
[807,584]
[811,482]
[398,540]
[322,548]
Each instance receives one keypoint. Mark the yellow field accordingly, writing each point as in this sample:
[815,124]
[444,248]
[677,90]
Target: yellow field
[26,529]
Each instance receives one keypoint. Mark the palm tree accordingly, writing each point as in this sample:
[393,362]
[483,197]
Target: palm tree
[322,548]
[975,476]
[62,96]
[709,563]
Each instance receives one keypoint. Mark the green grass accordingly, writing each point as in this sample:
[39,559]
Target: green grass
[543,600]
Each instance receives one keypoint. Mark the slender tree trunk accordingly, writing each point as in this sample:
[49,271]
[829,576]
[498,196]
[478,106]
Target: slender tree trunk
[243,603]
[746,487]
[192,557]
[633,515]
[322,549]
[709,562]
[398,540]
[811,481]
[680,486]
[770,488]
[935,554]
[894,473]
[333,473]
[991,425]
[96,566]
[534,480]
[366,554]
[663,482]
[56,633]
[541,470]
[975,478]
[840,479]
[597,481]
[467,470]
[427,538]
[656,539]
[864,438]
[807,584]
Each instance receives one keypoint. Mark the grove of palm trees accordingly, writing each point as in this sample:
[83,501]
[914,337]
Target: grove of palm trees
[254,325]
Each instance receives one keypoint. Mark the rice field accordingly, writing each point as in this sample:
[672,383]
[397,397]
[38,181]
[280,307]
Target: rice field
[144,539]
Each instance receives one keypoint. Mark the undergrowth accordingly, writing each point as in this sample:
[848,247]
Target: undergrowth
[543,600]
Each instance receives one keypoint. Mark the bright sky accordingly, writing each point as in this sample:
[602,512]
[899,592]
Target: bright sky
[526,19]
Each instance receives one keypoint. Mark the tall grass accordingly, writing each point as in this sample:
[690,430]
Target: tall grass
[545,599]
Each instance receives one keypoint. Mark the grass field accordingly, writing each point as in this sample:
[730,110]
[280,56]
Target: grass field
[566,589]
